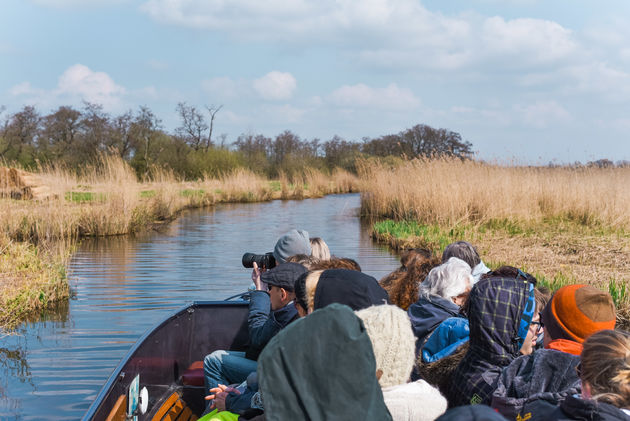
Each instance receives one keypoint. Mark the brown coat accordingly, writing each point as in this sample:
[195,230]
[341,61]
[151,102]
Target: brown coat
[439,373]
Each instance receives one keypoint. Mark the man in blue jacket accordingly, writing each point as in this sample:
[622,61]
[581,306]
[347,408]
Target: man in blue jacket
[270,310]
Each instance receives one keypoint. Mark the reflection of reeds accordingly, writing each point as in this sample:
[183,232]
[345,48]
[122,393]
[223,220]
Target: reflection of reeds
[564,225]
[107,199]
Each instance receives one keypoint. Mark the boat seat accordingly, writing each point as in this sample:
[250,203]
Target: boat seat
[119,411]
[193,376]
[174,408]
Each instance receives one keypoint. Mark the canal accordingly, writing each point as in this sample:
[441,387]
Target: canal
[53,368]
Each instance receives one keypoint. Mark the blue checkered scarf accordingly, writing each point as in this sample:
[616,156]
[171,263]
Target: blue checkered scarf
[500,311]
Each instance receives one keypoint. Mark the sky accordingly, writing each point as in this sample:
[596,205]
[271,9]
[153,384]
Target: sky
[522,80]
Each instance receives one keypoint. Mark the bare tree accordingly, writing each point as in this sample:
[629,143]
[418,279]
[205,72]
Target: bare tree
[193,125]
[213,112]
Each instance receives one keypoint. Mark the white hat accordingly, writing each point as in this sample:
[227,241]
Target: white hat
[393,342]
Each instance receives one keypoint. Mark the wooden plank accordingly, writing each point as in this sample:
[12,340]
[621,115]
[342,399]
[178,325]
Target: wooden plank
[119,411]
[175,410]
[165,407]
[185,415]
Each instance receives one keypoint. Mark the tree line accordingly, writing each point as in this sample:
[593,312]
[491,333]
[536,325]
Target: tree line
[72,137]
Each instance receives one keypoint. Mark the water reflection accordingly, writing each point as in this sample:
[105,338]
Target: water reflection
[125,285]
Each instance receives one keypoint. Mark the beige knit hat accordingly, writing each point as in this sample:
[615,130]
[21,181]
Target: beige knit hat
[393,342]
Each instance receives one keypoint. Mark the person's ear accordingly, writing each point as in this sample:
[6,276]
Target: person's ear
[283,294]
[379,374]
[586,390]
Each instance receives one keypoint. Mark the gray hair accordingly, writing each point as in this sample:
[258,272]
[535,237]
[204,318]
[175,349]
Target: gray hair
[463,250]
[448,280]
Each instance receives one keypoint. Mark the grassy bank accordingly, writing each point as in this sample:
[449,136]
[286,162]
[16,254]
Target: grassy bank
[37,236]
[563,225]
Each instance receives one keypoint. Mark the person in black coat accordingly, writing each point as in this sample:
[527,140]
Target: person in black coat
[605,373]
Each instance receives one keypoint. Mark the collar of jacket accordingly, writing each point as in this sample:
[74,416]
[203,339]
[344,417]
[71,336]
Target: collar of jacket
[564,345]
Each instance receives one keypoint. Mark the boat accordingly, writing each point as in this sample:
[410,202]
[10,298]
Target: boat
[161,377]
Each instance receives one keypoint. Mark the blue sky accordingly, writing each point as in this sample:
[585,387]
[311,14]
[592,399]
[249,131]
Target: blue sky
[526,80]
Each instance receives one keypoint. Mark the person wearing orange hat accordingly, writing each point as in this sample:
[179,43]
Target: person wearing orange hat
[574,313]
[549,375]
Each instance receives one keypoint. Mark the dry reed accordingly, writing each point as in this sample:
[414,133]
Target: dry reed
[451,191]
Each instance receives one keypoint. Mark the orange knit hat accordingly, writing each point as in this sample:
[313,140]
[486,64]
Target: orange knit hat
[575,312]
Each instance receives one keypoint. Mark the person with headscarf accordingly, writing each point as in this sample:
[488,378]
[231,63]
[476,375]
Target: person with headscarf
[500,309]
[321,367]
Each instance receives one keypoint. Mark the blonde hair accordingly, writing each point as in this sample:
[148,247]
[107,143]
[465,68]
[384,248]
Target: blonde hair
[312,279]
[605,362]
[319,248]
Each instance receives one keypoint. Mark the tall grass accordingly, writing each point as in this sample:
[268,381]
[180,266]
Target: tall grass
[450,191]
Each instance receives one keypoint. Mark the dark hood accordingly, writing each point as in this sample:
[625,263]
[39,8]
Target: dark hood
[427,313]
[495,307]
[354,289]
[321,367]
[472,413]
[575,408]
[546,374]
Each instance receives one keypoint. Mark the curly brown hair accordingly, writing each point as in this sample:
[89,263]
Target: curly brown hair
[402,284]
[336,263]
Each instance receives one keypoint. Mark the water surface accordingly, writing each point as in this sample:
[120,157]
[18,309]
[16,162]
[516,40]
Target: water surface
[122,286]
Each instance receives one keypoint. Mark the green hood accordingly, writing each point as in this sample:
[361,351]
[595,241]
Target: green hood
[321,367]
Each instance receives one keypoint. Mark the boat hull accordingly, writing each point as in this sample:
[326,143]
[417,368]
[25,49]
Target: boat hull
[165,352]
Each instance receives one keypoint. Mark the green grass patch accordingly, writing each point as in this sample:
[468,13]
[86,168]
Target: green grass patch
[84,197]
[619,292]
[147,194]
[275,185]
[193,192]
[413,234]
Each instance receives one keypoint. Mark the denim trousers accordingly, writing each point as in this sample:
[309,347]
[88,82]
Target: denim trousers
[226,367]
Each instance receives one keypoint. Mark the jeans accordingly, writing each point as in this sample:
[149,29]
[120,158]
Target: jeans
[226,367]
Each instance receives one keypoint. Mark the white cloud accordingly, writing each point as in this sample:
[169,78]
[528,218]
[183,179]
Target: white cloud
[98,87]
[389,33]
[528,40]
[24,88]
[74,3]
[600,79]
[275,86]
[78,83]
[360,95]
[542,114]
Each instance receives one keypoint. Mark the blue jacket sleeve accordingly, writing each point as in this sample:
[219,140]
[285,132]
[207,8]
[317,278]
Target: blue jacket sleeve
[260,323]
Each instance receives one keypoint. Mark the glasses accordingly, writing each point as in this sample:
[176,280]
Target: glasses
[538,325]
[578,369]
